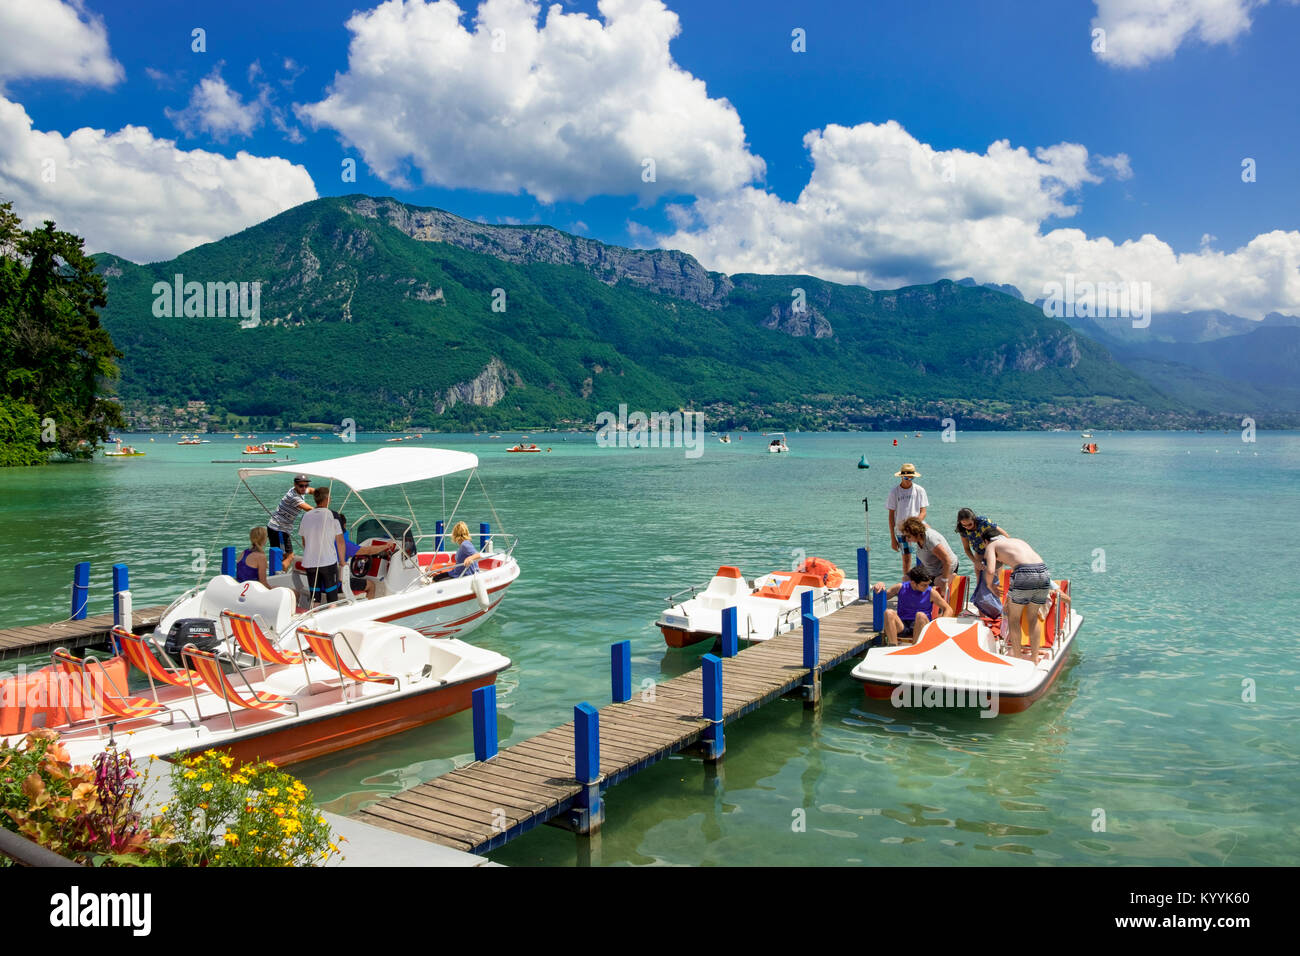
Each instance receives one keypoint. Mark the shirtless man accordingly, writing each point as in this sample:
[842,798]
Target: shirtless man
[1030,584]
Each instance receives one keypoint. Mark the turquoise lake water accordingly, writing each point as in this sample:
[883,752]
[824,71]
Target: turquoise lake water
[1171,737]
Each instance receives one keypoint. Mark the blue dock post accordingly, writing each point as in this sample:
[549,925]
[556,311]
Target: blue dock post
[438,527]
[714,741]
[589,809]
[120,584]
[80,590]
[812,684]
[620,671]
[864,574]
[730,638]
[484,532]
[274,561]
[806,603]
[484,700]
[229,562]
[878,601]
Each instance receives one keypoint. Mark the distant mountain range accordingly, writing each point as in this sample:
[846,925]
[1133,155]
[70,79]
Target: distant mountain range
[395,315]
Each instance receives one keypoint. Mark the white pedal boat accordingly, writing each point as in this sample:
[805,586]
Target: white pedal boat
[768,606]
[958,663]
[372,680]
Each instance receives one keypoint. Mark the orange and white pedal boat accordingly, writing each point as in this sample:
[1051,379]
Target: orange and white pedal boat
[766,607]
[964,663]
[337,690]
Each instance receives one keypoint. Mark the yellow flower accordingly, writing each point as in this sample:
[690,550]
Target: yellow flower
[163,809]
[239,778]
[322,821]
[190,774]
[227,761]
[207,787]
[271,765]
[232,838]
[273,791]
[252,833]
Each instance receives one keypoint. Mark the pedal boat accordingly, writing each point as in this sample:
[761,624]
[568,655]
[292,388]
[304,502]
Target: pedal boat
[359,684]
[767,607]
[960,663]
[412,586]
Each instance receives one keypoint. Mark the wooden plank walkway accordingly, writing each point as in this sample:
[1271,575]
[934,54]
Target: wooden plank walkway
[485,805]
[43,638]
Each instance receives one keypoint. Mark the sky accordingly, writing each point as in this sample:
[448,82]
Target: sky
[883,144]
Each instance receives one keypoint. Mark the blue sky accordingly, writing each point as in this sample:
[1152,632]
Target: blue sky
[1155,130]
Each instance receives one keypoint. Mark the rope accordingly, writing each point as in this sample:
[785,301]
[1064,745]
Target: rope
[217,541]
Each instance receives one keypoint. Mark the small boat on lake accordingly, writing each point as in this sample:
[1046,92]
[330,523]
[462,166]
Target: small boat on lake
[1089,448]
[777,445]
[123,451]
[524,448]
[258,450]
[963,662]
[766,607]
[282,443]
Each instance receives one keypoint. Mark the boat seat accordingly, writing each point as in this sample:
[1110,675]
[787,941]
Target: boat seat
[956,596]
[1049,623]
[275,606]
[727,583]
[785,589]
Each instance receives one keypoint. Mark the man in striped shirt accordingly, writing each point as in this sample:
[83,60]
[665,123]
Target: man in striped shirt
[279,529]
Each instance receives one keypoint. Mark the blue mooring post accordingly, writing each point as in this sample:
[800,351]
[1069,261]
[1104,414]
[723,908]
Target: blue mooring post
[714,741]
[811,649]
[484,532]
[484,701]
[120,584]
[80,590]
[274,561]
[864,573]
[438,527]
[730,638]
[620,671]
[589,809]
[878,601]
[229,562]
[806,603]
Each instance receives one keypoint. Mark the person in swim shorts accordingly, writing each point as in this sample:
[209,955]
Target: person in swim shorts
[1030,584]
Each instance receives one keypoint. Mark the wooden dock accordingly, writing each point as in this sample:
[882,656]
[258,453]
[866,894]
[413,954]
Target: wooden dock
[488,803]
[43,638]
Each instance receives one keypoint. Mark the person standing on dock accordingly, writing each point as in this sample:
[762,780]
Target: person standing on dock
[279,529]
[324,550]
[906,500]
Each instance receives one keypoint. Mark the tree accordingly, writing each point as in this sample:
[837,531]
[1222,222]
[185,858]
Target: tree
[58,359]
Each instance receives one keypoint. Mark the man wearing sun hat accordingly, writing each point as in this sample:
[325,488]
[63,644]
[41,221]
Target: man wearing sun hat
[907,499]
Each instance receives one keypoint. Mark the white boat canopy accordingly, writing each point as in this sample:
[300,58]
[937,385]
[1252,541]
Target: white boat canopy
[378,469]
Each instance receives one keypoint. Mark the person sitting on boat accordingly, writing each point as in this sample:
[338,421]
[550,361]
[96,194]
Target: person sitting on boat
[932,552]
[917,600]
[906,499]
[354,550]
[976,532]
[252,563]
[466,554]
[323,550]
[279,528]
[1030,584]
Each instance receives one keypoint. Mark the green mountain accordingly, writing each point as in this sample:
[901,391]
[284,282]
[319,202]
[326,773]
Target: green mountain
[394,315]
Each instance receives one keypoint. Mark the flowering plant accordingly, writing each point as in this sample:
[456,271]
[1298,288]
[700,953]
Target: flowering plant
[251,815]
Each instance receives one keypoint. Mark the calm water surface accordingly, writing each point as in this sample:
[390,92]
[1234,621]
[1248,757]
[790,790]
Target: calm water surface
[1171,738]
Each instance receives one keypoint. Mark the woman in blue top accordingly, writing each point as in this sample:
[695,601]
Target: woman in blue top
[466,554]
[976,532]
[916,604]
[252,563]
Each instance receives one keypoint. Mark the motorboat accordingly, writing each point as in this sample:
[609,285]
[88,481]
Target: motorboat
[777,444]
[725,439]
[766,607]
[411,585]
[966,662]
[282,443]
[334,690]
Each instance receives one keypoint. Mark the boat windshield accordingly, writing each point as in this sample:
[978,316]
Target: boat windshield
[385,526]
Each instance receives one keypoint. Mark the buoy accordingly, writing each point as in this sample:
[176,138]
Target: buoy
[895,441]
[863,463]
[480,591]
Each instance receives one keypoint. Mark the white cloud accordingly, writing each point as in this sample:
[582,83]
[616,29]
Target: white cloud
[1139,32]
[1119,165]
[884,210]
[567,109]
[50,39]
[217,110]
[134,194]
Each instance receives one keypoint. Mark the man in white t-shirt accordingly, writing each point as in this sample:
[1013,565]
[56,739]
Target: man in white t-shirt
[324,549]
[907,499]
